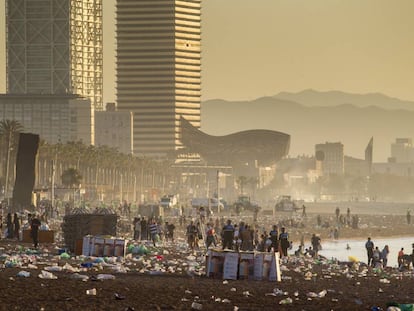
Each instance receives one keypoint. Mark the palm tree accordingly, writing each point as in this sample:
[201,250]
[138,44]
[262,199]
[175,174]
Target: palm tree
[9,133]
[72,179]
[241,182]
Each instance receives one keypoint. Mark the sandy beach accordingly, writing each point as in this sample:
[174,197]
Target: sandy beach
[171,277]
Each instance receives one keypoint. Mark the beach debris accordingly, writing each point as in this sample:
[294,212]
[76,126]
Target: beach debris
[81,277]
[119,296]
[286,301]
[91,292]
[47,275]
[321,294]
[196,306]
[104,276]
[24,274]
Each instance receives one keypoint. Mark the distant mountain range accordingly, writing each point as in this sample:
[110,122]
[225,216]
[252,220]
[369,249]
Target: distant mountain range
[313,117]
[314,98]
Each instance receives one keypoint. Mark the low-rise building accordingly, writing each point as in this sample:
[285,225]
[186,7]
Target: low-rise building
[113,128]
[55,118]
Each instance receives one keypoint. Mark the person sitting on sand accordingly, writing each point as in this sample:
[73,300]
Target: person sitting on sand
[299,251]
[309,252]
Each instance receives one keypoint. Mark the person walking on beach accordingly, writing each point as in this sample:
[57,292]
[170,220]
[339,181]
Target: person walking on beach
[192,235]
[9,224]
[137,228]
[408,217]
[376,257]
[384,255]
[16,225]
[228,235]
[369,246]
[284,241]
[337,212]
[400,257]
[153,230]
[35,225]
[316,244]
[348,217]
[273,236]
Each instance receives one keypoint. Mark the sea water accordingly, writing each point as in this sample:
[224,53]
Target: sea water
[338,248]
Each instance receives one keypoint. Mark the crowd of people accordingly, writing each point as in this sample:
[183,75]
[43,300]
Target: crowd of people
[237,237]
[202,231]
[15,223]
[377,258]
[154,229]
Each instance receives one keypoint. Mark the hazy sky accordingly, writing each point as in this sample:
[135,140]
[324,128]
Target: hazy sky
[253,48]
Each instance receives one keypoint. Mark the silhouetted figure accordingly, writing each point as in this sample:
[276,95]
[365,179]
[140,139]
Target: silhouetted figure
[35,225]
[319,220]
[337,212]
[369,245]
[228,235]
[9,226]
[284,241]
[316,244]
[16,223]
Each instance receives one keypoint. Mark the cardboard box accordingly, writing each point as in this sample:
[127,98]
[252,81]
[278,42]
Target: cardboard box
[87,245]
[230,267]
[215,267]
[258,266]
[109,247]
[246,266]
[98,245]
[43,236]
[120,247]
[78,247]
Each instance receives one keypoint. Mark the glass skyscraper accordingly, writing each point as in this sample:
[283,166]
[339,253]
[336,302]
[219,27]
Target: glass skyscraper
[159,70]
[55,47]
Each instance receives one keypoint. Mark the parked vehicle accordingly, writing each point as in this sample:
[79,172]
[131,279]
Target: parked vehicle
[169,201]
[244,203]
[212,203]
[285,203]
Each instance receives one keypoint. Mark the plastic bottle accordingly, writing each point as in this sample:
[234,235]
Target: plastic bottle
[91,292]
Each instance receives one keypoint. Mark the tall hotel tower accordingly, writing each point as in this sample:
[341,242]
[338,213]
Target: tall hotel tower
[55,47]
[159,70]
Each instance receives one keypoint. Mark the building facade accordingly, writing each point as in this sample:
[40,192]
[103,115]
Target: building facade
[159,70]
[55,118]
[114,129]
[402,150]
[55,47]
[331,156]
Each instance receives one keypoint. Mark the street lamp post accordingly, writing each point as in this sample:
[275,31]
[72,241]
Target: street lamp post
[53,183]
[218,191]
[6,184]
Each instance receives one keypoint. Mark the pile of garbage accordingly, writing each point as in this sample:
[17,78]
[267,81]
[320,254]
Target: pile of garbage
[177,259]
